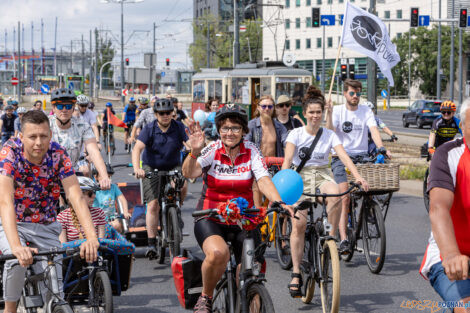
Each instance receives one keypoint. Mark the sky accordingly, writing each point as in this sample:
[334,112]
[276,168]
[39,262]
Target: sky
[77,17]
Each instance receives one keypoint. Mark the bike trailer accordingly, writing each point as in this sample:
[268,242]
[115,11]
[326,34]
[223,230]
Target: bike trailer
[137,232]
[187,276]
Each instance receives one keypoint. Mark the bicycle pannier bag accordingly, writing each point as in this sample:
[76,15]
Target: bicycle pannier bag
[187,276]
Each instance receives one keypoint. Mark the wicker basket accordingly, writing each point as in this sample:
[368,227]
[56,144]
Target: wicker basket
[381,177]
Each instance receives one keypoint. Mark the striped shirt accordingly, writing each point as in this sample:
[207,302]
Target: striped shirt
[65,219]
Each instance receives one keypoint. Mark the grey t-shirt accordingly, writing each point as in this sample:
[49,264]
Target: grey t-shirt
[145,117]
[89,117]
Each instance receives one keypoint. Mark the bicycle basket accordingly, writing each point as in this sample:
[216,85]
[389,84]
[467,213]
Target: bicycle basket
[381,177]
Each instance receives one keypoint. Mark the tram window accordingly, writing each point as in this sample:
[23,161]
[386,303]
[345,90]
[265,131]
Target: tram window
[198,91]
[266,86]
[240,92]
[218,90]
[210,91]
[295,91]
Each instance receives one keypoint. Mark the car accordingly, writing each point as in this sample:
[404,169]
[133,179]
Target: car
[422,112]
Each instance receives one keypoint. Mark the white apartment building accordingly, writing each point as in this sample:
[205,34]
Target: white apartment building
[288,29]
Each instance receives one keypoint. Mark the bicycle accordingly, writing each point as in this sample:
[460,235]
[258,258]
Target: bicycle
[109,138]
[129,146]
[320,263]
[250,294]
[170,234]
[425,154]
[31,298]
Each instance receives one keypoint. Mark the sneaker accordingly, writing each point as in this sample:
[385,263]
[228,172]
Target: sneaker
[344,247]
[203,305]
[126,146]
[151,252]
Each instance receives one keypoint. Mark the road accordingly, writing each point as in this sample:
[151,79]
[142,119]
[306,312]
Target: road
[393,119]
[407,227]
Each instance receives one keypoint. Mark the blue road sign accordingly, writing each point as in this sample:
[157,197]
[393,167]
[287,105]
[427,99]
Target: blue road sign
[45,89]
[423,20]
[468,20]
[163,74]
[341,16]
[327,20]
[384,93]
[71,85]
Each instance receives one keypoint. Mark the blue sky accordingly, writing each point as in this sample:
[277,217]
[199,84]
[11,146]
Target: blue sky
[77,17]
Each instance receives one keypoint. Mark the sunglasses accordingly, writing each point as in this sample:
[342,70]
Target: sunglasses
[352,93]
[165,113]
[84,105]
[446,112]
[269,107]
[283,105]
[90,194]
[62,106]
[234,129]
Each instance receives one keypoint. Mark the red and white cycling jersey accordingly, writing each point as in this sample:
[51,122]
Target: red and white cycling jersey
[450,169]
[223,180]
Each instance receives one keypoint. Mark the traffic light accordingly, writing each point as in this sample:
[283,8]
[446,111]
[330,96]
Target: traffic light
[127,61]
[351,71]
[344,72]
[167,61]
[315,17]
[463,18]
[414,17]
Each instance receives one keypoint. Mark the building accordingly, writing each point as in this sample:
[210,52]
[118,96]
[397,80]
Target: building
[289,29]
[223,9]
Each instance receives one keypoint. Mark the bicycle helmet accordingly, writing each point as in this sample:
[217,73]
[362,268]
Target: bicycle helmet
[144,100]
[21,110]
[91,105]
[9,107]
[109,105]
[163,105]
[87,184]
[82,99]
[14,102]
[63,94]
[448,105]
[232,110]
[109,169]
[369,104]
[131,99]
[174,100]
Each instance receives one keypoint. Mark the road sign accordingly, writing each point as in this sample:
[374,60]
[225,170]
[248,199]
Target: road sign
[288,59]
[45,89]
[163,74]
[468,20]
[424,20]
[14,81]
[124,92]
[341,16]
[242,28]
[384,93]
[327,20]
[71,85]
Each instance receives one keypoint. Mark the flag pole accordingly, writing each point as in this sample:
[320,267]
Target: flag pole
[107,131]
[332,78]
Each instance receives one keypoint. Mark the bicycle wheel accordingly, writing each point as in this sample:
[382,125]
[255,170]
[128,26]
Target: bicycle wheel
[103,292]
[330,286]
[161,249]
[174,233]
[373,236]
[258,299]
[306,270]
[425,190]
[283,231]
[62,308]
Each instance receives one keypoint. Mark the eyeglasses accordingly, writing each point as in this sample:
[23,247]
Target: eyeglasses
[165,113]
[62,106]
[234,129]
[446,112]
[282,105]
[269,107]
[352,93]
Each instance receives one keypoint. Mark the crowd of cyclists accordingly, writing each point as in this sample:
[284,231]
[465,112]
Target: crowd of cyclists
[51,160]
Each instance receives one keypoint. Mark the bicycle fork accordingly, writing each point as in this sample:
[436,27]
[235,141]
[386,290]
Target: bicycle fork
[164,224]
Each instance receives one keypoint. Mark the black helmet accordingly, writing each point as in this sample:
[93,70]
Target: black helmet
[163,105]
[174,100]
[109,169]
[63,94]
[232,110]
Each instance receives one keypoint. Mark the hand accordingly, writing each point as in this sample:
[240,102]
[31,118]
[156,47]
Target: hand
[456,266]
[127,215]
[364,184]
[394,138]
[99,145]
[196,137]
[329,106]
[89,250]
[289,209]
[24,255]
[431,151]
[105,183]
[139,173]
[131,140]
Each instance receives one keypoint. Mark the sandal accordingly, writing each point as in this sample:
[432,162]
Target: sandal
[296,293]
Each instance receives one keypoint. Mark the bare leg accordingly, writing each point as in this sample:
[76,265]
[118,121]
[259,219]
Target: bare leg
[153,208]
[10,307]
[297,240]
[343,221]
[217,255]
[117,225]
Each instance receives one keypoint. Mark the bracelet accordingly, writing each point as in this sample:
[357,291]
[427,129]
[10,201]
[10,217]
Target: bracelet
[192,156]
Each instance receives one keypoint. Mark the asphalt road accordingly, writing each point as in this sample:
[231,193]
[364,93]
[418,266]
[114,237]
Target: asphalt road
[393,120]
[407,226]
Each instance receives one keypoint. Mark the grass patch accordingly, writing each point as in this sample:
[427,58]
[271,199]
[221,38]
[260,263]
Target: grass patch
[412,171]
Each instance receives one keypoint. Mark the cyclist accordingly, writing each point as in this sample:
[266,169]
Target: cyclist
[229,166]
[89,116]
[17,123]
[7,123]
[143,104]
[382,126]
[283,113]
[128,116]
[37,105]
[74,134]
[32,167]
[315,174]
[445,263]
[104,123]
[146,116]
[161,142]
[182,115]
[445,127]
[351,122]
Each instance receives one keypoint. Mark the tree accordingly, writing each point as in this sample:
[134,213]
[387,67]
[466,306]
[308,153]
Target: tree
[221,42]
[424,59]
[106,54]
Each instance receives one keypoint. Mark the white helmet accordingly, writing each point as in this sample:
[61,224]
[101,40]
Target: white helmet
[82,99]
[87,184]
[369,104]
[21,110]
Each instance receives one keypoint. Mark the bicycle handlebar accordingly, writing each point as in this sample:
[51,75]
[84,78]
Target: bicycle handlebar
[159,173]
[325,195]
[215,212]
[53,251]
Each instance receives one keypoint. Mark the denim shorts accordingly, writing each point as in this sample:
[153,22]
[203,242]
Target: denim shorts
[448,290]
[338,168]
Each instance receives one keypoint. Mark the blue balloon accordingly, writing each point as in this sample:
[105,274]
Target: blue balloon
[199,116]
[211,117]
[289,184]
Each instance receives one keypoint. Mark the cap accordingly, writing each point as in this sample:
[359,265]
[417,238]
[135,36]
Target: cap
[282,99]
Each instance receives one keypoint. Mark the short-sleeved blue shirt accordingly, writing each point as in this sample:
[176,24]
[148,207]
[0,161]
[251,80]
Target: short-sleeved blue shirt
[162,150]
[130,114]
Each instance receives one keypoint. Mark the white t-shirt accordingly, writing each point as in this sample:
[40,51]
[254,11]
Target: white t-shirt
[301,139]
[352,127]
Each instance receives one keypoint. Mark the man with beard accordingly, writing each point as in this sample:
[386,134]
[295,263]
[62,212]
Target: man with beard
[351,122]
[268,134]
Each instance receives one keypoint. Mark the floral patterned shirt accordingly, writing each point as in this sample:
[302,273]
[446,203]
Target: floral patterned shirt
[37,188]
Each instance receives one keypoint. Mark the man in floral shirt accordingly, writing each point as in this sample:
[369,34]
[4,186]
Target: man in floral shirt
[31,168]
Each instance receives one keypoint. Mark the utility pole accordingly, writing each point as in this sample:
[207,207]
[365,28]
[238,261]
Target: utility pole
[452,53]
[236,34]
[83,58]
[323,64]
[42,47]
[22,50]
[71,57]
[409,67]
[96,62]
[151,62]
[91,80]
[55,47]
[372,69]
[32,54]
[208,44]
[123,99]
[155,55]
[19,62]
[438,94]
[460,68]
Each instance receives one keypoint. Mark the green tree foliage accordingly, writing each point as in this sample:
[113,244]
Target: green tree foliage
[221,42]
[424,59]
[106,53]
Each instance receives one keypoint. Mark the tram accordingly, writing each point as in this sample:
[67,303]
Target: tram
[246,83]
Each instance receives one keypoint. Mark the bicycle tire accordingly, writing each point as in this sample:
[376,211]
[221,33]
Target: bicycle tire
[283,254]
[329,257]
[264,304]
[62,308]
[309,290]
[160,249]
[425,190]
[220,301]
[174,233]
[374,227]
[103,290]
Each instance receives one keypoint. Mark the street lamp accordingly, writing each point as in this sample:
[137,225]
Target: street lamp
[123,98]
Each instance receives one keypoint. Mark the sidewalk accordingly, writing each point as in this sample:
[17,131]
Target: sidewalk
[411,187]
